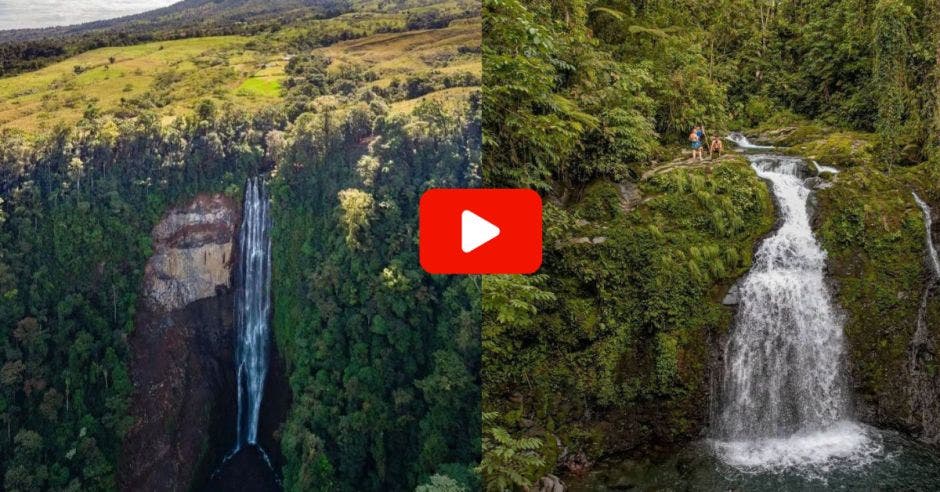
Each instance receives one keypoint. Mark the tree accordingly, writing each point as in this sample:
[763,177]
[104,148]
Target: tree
[891,51]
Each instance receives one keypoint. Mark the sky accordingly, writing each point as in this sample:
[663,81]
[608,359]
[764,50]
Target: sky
[21,14]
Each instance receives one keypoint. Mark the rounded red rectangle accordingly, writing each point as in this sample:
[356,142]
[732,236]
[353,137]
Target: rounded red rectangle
[480,230]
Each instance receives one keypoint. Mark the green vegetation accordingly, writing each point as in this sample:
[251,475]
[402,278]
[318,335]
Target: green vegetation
[170,77]
[874,233]
[78,207]
[607,349]
[382,359]
[622,319]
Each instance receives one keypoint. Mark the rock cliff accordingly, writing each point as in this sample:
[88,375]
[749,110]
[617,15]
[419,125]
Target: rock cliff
[182,345]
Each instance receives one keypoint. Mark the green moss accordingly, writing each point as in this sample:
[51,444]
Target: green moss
[601,201]
[841,149]
[874,234]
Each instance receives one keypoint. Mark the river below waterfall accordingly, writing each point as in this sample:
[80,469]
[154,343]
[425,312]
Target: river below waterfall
[783,418]
[898,464]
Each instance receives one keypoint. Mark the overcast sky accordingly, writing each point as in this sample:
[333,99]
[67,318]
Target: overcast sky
[19,14]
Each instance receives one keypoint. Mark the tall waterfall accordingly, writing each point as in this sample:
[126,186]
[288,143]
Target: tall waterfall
[252,310]
[784,399]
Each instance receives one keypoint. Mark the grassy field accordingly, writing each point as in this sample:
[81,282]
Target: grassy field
[170,77]
[427,53]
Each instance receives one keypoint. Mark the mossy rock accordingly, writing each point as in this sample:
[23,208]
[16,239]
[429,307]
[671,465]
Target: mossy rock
[874,235]
[600,201]
[788,135]
[841,149]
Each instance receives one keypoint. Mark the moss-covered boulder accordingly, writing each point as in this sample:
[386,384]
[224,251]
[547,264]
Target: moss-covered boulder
[841,149]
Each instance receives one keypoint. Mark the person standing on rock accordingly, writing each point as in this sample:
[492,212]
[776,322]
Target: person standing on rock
[696,140]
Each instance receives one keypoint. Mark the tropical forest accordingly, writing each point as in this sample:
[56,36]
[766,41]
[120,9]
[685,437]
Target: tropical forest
[208,263]
[739,279]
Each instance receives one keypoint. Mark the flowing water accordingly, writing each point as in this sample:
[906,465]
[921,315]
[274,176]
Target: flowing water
[742,142]
[825,169]
[785,401]
[924,396]
[247,466]
[932,258]
[252,310]
[784,419]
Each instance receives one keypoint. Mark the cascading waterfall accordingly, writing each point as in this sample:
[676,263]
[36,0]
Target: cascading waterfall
[924,395]
[741,141]
[252,309]
[784,399]
[825,169]
[932,257]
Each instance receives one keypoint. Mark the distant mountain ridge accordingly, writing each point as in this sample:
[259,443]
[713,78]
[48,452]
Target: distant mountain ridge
[187,13]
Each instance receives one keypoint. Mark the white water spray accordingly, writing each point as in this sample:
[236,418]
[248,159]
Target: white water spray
[252,310]
[785,402]
[825,169]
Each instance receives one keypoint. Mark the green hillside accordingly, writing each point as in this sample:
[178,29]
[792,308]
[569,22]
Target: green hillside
[170,77]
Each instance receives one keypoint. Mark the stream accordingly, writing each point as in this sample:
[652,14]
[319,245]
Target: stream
[783,418]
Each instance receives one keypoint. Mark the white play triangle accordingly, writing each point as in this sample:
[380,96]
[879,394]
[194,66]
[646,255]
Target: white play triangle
[475,231]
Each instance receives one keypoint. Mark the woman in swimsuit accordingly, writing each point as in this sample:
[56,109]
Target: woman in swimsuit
[696,138]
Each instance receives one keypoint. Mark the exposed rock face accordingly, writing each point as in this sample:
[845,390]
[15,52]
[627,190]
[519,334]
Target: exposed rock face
[181,362]
[193,255]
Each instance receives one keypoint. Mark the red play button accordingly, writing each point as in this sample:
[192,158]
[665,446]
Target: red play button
[480,231]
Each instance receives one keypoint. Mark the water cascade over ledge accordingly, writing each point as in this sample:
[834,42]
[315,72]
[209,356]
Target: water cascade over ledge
[247,466]
[784,399]
[924,395]
[252,310]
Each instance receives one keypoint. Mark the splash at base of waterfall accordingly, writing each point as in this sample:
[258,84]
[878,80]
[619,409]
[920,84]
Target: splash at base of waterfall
[785,403]
[845,444]
[835,459]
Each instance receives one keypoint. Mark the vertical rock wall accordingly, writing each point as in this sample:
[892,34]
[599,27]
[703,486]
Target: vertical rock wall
[182,345]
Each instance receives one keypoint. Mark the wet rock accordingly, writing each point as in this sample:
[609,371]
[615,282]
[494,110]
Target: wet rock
[193,253]
[550,483]
[630,196]
[733,297]
[816,183]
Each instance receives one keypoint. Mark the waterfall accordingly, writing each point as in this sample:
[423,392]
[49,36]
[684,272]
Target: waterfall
[252,310]
[741,141]
[784,399]
[924,395]
[825,169]
[931,249]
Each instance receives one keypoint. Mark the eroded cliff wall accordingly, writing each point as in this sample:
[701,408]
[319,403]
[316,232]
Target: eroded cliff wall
[182,345]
